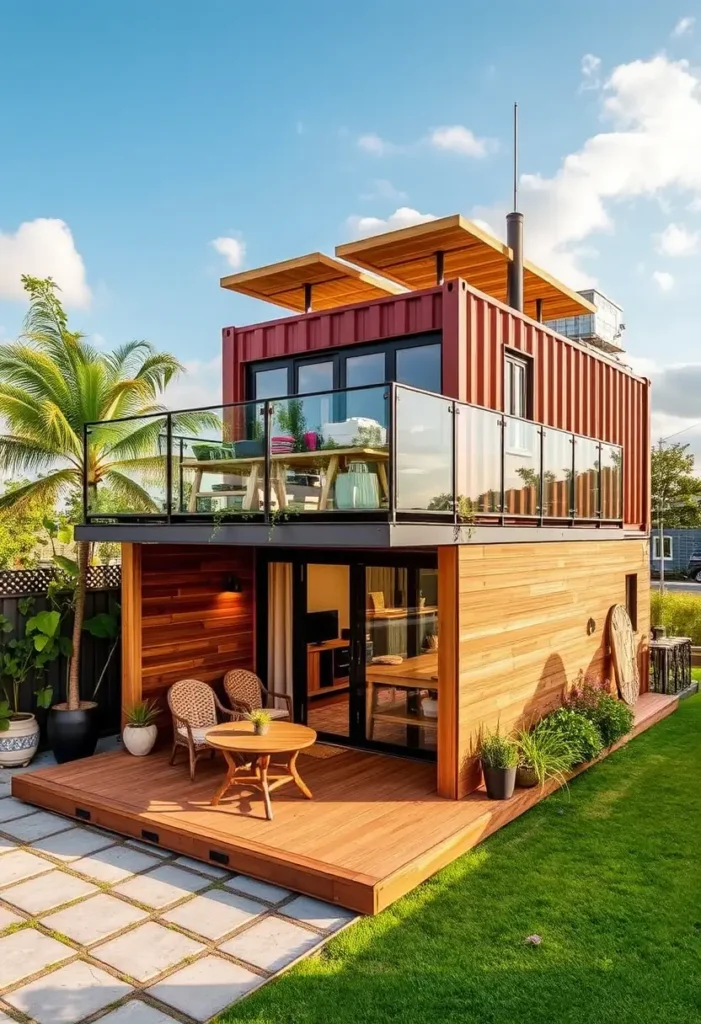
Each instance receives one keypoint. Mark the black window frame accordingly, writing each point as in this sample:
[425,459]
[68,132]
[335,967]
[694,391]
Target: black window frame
[523,360]
[338,356]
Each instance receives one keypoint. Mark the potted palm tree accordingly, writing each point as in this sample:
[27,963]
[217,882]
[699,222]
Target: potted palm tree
[53,383]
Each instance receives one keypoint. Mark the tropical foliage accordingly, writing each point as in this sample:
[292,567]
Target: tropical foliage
[22,529]
[53,383]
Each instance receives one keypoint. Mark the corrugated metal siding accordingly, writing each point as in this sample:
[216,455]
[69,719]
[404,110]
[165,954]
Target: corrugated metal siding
[413,313]
[573,389]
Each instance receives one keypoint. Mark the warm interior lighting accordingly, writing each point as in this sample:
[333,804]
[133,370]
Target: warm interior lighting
[232,585]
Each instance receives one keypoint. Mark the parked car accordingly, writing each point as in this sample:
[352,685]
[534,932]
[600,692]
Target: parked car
[693,570]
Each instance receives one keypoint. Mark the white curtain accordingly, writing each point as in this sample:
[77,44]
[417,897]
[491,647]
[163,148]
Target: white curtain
[280,627]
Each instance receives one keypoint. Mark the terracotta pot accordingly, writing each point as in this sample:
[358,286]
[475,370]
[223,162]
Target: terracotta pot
[19,743]
[139,739]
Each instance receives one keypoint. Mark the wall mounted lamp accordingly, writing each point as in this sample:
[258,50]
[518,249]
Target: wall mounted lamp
[232,585]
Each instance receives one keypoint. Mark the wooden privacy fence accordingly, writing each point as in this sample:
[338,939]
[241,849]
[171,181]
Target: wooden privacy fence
[103,589]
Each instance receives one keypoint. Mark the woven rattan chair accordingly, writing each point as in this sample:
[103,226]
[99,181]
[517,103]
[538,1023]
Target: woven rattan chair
[246,693]
[193,705]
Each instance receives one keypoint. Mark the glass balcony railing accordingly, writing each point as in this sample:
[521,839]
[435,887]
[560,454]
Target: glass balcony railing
[382,451]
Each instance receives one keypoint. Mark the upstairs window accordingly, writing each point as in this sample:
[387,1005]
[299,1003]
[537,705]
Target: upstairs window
[517,386]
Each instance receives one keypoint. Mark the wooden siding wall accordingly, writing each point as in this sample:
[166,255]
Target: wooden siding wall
[190,626]
[413,313]
[573,389]
[522,636]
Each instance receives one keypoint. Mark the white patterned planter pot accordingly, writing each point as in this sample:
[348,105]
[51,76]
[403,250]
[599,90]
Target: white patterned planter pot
[19,743]
[139,739]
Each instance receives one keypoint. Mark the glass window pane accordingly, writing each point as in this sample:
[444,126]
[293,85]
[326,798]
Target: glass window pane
[586,478]
[557,474]
[611,482]
[522,468]
[424,452]
[420,366]
[478,455]
[314,377]
[360,370]
[270,383]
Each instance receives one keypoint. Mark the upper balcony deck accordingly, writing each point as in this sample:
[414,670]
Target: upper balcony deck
[385,453]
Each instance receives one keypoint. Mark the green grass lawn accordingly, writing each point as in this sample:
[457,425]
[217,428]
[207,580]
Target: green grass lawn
[607,874]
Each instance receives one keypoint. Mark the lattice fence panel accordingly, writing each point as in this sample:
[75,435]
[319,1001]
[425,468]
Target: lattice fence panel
[23,582]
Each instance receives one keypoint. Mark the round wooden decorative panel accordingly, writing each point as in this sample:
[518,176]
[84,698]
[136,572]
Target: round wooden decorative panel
[625,662]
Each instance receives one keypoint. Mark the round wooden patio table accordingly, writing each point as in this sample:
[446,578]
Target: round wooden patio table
[245,752]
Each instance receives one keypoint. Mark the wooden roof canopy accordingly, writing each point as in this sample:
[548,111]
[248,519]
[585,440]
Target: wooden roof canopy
[426,254]
[310,282]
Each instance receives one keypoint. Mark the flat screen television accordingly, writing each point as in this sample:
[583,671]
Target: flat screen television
[321,626]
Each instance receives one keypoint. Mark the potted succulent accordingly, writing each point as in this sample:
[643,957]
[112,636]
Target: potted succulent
[543,753]
[22,658]
[140,731]
[499,757]
[260,720]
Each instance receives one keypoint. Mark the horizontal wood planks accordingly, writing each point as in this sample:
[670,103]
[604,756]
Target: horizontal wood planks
[191,625]
[532,620]
[375,829]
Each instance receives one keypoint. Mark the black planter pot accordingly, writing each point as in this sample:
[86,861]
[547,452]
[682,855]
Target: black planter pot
[499,782]
[72,734]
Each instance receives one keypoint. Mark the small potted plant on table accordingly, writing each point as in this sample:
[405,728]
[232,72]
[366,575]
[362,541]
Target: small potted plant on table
[499,757]
[260,720]
[140,731]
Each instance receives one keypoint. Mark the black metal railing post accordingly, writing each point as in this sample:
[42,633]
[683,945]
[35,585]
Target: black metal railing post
[599,482]
[541,496]
[86,505]
[267,416]
[573,479]
[502,425]
[456,496]
[392,449]
[169,466]
[181,481]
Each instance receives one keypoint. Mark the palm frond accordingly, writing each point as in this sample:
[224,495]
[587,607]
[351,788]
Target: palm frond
[158,370]
[131,493]
[22,455]
[45,487]
[33,371]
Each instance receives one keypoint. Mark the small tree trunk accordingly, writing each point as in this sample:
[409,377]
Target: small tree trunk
[78,616]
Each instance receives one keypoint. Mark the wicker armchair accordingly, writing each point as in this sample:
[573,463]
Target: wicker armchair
[193,705]
[246,693]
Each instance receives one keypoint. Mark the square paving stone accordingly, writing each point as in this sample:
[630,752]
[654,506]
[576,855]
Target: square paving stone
[162,887]
[47,891]
[36,826]
[272,944]
[7,918]
[11,808]
[157,851]
[135,1012]
[94,919]
[19,864]
[7,844]
[4,1019]
[211,870]
[259,890]
[205,987]
[325,916]
[215,913]
[114,864]
[67,995]
[70,845]
[147,951]
[26,952]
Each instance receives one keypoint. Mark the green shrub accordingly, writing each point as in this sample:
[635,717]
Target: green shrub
[610,715]
[580,734]
[679,613]
[546,752]
[497,751]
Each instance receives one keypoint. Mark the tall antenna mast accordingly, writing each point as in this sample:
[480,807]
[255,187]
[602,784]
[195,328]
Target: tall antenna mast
[515,157]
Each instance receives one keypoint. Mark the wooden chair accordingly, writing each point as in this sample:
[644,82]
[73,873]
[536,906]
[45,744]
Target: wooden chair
[246,693]
[194,705]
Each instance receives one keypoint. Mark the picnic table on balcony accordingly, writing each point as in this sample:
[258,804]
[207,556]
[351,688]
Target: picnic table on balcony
[334,459]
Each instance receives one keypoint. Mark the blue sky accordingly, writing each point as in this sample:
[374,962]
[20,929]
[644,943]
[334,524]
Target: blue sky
[152,129]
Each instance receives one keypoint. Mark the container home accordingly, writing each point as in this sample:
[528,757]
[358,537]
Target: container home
[411,516]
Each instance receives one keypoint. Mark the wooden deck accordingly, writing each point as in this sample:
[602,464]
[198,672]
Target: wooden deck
[374,830]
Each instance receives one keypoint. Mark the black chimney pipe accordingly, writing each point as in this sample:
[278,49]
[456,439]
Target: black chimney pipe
[514,279]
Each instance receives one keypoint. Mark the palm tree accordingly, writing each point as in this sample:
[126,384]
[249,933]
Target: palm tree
[52,383]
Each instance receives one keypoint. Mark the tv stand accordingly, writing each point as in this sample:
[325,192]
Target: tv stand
[328,667]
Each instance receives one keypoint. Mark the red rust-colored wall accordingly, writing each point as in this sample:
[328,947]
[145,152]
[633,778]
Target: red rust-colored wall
[574,388]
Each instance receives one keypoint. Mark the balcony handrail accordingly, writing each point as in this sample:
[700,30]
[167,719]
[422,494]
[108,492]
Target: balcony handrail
[174,502]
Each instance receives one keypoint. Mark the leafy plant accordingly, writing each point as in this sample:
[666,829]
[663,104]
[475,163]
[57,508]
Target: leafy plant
[368,437]
[105,626]
[610,715]
[680,614]
[578,731]
[142,714]
[52,383]
[545,752]
[290,418]
[259,717]
[497,751]
[28,656]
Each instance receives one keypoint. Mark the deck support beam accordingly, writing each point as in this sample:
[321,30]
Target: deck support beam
[132,687]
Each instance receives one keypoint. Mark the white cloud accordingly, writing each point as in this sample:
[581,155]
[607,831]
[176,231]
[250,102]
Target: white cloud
[677,240]
[43,248]
[458,139]
[590,67]
[199,386]
[455,138]
[403,217]
[654,108]
[232,249]
[384,189]
[663,280]
[683,27]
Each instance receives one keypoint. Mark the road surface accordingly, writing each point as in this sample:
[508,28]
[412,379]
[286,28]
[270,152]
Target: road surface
[678,586]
